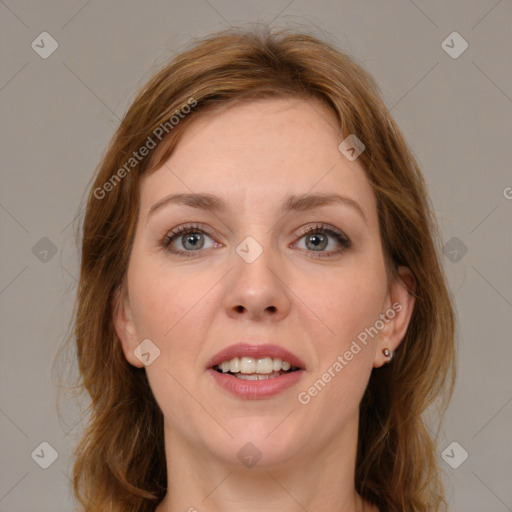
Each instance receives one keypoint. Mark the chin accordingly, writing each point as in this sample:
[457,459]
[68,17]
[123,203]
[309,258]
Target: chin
[257,442]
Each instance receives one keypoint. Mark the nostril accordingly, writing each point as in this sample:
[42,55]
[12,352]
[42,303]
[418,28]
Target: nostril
[240,309]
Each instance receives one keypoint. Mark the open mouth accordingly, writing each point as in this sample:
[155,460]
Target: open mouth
[255,372]
[250,368]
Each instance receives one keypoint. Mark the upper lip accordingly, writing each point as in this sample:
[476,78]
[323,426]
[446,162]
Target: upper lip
[256,351]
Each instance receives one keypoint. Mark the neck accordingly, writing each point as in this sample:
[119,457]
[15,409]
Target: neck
[319,478]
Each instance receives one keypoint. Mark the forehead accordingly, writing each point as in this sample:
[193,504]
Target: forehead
[258,151]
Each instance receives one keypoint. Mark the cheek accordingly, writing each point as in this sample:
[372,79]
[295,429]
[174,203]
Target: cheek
[347,306]
[159,296]
[171,308]
[346,303]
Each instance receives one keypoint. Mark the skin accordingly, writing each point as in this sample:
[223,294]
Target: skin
[253,156]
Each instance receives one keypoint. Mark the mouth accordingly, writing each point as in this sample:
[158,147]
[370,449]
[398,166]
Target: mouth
[251,368]
[255,371]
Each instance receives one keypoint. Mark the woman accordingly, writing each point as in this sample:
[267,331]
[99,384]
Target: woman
[262,316]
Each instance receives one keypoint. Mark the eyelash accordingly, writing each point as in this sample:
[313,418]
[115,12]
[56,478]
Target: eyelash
[180,231]
[340,237]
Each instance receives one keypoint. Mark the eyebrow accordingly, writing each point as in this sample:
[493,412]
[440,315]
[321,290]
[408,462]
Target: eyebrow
[299,203]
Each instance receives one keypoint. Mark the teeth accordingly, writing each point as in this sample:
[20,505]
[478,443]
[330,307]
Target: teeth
[257,376]
[248,366]
[265,365]
[234,365]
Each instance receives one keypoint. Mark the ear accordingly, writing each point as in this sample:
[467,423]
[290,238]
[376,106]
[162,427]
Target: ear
[399,306]
[124,326]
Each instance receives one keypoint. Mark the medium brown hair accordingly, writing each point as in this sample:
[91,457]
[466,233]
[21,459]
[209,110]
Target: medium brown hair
[120,461]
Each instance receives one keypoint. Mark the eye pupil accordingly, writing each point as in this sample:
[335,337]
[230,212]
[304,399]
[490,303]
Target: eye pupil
[193,238]
[318,240]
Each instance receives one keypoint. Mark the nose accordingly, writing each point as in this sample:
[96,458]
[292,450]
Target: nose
[257,290]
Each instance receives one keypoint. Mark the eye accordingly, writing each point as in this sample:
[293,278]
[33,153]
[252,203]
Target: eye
[318,241]
[187,239]
[318,238]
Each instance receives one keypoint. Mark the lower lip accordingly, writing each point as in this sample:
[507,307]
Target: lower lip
[255,389]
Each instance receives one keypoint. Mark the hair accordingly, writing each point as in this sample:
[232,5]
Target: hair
[119,463]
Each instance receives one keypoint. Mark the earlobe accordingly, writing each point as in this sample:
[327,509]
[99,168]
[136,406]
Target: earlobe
[400,306]
[125,327]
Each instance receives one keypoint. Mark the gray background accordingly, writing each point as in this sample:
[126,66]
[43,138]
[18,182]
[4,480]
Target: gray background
[59,113]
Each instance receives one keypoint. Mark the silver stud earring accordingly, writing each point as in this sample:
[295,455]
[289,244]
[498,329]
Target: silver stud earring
[387,352]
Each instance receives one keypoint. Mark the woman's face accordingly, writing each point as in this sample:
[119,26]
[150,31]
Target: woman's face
[281,259]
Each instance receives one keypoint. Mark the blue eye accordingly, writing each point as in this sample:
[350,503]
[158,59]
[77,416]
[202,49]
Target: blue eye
[317,239]
[191,239]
